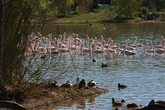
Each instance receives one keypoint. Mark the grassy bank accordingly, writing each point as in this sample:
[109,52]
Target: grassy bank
[101,16]
[92,17]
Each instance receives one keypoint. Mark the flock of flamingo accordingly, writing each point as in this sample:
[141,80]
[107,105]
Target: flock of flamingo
[64,43]
[39,44]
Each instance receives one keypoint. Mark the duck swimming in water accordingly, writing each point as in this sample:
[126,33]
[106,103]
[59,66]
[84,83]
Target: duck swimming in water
[121,86]
[104,65]
[118,103]
[93,60]
[43,57]
[133,105]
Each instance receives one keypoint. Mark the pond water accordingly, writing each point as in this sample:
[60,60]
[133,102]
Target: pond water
[144,75]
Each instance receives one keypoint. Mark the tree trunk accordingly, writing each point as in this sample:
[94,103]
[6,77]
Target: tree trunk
[1,38]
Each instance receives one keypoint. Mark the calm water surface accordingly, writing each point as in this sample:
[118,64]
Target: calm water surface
[144,75]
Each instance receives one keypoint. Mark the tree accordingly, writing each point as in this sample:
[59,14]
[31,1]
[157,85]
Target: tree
[1,33]
[156,5]
[127,8]
[15,26]
[84,6]
[63,6]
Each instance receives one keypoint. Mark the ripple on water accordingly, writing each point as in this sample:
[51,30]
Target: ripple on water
[144,77]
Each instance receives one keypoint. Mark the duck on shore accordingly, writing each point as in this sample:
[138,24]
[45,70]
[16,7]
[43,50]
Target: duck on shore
[82,84]
[52,85]
[91,83]
[67,84]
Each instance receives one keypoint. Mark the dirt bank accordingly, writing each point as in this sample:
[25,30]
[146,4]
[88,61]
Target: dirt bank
[53,96]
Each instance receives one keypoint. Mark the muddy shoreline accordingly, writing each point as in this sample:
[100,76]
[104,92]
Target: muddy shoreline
[52,97]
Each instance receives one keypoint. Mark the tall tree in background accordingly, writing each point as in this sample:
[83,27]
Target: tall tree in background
[127,8]
[84,6]
[63,6]
[156,5]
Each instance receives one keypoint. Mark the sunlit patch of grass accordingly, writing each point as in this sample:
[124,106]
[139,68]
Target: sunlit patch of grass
[92,17]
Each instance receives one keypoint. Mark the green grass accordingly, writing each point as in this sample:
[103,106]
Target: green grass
[92,17]
[100,16]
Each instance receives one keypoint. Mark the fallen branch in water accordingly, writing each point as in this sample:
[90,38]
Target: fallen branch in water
[11,105]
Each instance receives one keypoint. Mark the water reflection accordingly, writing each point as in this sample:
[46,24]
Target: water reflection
[115,30]
[79,104]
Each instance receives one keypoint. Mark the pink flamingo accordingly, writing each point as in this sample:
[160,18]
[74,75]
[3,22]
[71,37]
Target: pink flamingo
[131,48]
[159,49]
[128,52]
[110,50]
[98,50]
[150,51]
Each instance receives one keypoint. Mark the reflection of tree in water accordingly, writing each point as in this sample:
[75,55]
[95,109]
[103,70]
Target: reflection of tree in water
[91,100]
[80,104]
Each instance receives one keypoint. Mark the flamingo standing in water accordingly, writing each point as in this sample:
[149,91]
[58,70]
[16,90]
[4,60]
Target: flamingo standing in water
[150,51]
[83,48]
[130,48]
[65,43]
[155,49]
[136,44]
[159,50]
[128,52]
[96,47]
[62,47]
[113,49]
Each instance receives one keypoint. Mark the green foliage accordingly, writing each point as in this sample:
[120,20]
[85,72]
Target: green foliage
[16,19]
[144,10]
[43,4]
[160,4]
[84,6]
[130,8]
[127,8]
[63,7]
[15,28]
[16,16]
[154,5]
